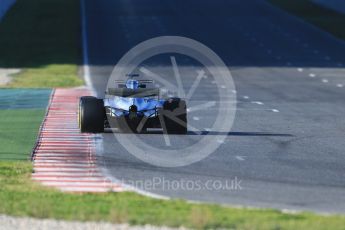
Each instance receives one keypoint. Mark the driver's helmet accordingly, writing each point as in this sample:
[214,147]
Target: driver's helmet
[132,84]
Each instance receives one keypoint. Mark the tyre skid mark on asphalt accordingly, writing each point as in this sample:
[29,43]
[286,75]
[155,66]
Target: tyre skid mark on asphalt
[63,157]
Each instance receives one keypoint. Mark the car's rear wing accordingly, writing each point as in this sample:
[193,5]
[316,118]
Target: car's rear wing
[142,83]
[125,92]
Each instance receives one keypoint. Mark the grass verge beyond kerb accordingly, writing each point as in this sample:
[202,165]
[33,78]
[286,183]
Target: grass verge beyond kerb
[42,37]
[19,196]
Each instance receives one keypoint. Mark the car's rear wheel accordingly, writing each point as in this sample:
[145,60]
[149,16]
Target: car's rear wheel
[91,115]
[174,116]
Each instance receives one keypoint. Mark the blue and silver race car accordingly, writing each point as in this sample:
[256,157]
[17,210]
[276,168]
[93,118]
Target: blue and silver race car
[132,107]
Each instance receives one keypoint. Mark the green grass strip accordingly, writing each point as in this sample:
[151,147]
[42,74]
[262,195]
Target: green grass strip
[43,38]
[326,19]
[19,196]
[18,132]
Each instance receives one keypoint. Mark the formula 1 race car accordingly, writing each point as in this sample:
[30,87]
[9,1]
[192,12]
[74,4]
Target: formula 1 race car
[132,107]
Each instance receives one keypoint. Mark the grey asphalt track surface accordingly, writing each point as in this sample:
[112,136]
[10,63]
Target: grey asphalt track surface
[286,148]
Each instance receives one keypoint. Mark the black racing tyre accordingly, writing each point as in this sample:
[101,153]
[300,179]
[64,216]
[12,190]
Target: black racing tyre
[175,116]
[91,115]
